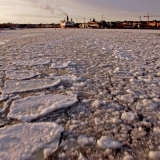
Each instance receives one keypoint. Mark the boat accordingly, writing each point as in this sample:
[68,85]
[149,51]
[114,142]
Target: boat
[66,23]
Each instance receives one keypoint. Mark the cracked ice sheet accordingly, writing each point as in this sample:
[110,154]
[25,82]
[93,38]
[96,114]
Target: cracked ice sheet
[30,108]
[20,75]
[19,142]
[32,62]
[15,86]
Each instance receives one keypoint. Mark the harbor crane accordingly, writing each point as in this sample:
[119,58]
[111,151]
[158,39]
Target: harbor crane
[148,16]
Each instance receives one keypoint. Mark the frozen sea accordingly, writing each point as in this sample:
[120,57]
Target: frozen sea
[80,94]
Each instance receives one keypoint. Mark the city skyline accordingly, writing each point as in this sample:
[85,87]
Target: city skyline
[52,11]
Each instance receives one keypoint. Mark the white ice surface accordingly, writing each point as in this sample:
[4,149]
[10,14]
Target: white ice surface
[19,142]
[20,75]
[32,62]
[33,107]
[15,86]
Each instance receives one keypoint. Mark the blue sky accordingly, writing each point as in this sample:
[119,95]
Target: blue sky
[50,11]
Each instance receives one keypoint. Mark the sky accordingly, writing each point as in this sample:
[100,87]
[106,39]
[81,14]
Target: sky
[52,11]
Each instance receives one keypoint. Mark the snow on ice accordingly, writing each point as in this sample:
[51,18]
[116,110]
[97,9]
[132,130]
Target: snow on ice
[21,141]
[33,107]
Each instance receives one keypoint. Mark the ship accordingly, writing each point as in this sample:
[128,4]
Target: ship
[67,23]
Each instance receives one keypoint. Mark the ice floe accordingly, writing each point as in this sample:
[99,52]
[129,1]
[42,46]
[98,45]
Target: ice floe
[83,140]
[21,141]
[3,97]
[7,103]
[147,105]
[154,155]
[65,77]
[127,98]
[1,43]
[15,86]
[30,108]
[105,142]
[128,116]
[32,62]
[128,157]
[20,75]
[60,65]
